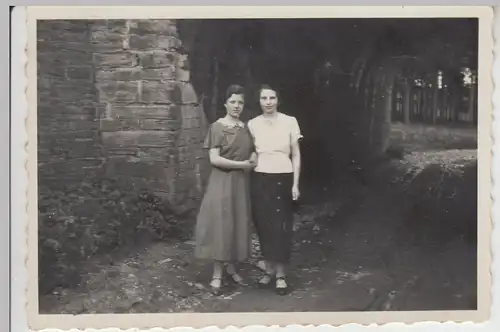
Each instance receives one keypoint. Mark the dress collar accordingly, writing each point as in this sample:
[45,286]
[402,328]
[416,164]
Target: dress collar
[271,121]
[236,125]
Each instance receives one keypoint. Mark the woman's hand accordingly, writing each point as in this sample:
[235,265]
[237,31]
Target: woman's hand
[253,158]
[248,164]
[295,192]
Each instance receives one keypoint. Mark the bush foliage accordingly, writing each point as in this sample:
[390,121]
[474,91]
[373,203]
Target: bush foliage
[96,217]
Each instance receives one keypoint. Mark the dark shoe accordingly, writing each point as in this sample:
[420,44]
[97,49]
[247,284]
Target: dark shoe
[281,287]
[216,291]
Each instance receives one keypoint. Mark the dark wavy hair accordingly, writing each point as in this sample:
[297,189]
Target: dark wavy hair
[234,89]
[267,87]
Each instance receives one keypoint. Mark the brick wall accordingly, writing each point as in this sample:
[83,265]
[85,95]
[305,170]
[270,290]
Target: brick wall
[117,116]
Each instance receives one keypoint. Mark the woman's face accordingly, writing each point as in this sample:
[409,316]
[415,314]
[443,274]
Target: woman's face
[268,101]
[234,105]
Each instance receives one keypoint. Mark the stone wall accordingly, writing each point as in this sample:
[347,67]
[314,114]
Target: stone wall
[68,149]
[69,153]
[117,117]
[152,127]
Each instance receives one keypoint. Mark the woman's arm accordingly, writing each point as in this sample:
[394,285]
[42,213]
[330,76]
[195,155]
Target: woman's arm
[296,136]
[253,155]
[296,163]
[213,142]
[218,161]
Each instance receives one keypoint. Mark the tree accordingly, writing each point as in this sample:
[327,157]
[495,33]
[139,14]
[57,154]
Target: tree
[339,76]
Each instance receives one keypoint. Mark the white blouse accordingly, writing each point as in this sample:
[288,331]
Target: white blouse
[273,140]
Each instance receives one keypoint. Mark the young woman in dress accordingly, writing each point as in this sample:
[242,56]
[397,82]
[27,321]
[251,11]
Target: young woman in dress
[274,185]
[223,224]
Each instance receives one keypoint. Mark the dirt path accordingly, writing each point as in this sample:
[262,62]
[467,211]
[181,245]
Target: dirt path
[358,261]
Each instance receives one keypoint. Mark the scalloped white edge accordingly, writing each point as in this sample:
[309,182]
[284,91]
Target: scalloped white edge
[19,142]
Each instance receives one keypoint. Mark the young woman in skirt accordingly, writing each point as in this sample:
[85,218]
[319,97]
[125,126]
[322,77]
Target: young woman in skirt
[274,185]
[223,224]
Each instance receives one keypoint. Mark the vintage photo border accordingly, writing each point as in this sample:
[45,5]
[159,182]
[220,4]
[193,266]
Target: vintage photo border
[144,321]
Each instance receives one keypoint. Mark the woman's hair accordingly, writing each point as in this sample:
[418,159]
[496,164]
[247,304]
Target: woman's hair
[234,89]
[268,87]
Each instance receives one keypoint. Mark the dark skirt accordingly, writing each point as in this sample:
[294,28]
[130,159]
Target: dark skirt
[272,213]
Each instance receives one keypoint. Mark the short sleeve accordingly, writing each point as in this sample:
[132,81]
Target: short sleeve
[213,138]
[250,126]
[253,148]
[295,130]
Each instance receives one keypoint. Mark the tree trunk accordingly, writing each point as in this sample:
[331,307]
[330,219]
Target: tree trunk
[343,110]
[374,102]
[214,92]
[247,69]
[472,101]
[435,100]
[425,106]
[386,121]
[445,104]
[380,120]
[406,102]
[475,115]
[421,104]
[416,110]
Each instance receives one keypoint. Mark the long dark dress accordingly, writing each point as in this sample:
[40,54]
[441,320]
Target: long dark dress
[223,224]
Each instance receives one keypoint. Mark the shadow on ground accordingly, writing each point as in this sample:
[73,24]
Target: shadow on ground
[352,256]
[404,240]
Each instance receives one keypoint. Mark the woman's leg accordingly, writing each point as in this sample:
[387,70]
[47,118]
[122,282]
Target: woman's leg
[260,215]
[269,270]
[280,270]
[231,270]
[280,277]
[217,275]
[285,235]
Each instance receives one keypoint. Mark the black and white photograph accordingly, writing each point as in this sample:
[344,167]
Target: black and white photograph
[260,165]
